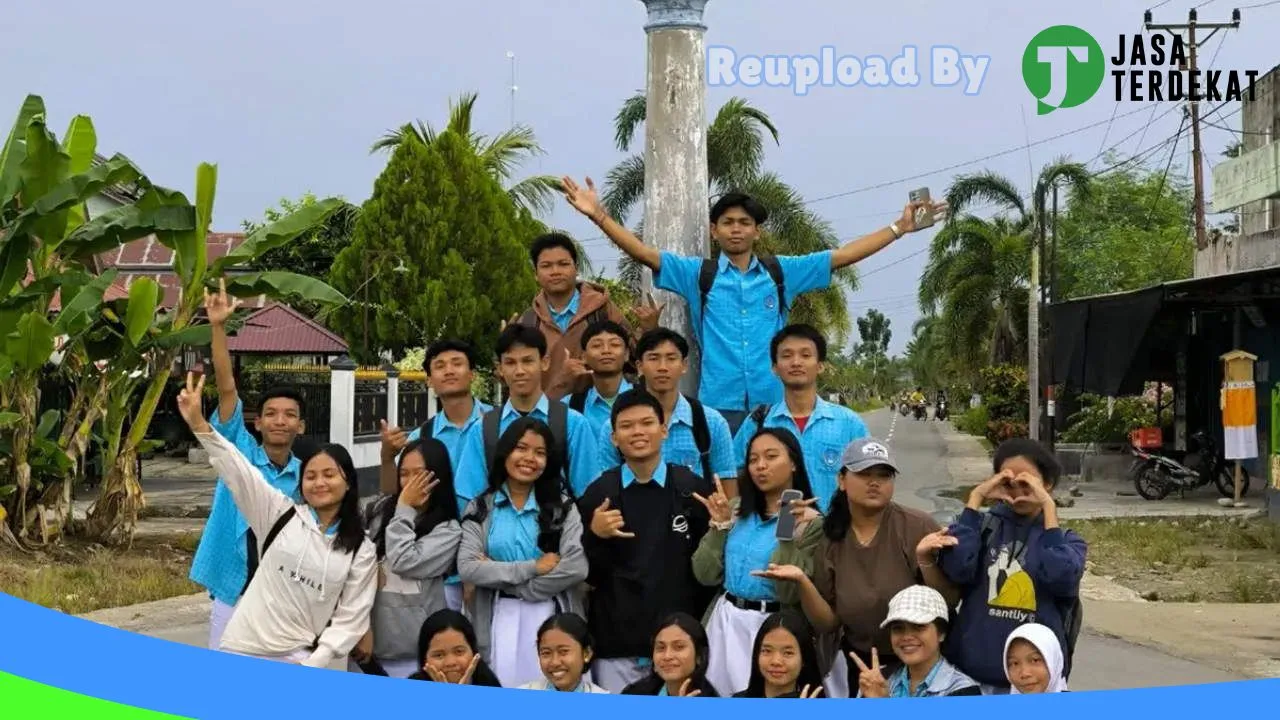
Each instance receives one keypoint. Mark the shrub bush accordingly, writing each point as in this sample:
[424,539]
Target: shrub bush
[1092,423]
[973,421]
[1004,393]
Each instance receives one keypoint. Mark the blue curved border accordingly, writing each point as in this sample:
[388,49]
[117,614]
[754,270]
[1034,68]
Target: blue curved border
[83,657]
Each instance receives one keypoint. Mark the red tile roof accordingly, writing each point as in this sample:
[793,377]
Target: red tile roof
[115,291]
[147,257]
[280,330]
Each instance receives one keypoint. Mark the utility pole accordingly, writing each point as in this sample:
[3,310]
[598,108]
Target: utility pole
[1051,296]
[1191,26]
[1033,330]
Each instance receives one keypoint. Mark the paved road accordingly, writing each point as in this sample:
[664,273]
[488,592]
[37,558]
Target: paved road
[1102,663]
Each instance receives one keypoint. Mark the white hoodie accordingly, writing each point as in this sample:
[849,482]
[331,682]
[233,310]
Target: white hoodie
[304,588]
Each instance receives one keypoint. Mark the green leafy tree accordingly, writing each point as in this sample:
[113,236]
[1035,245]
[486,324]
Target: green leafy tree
[976,281]
[736,142]
[311,254]
[463,244]
[45,245]
[1133,231]
[500,155]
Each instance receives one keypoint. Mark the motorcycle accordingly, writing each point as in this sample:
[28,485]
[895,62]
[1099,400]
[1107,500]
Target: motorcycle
[903,409]
[920,411]
[941,412]
[1156,475]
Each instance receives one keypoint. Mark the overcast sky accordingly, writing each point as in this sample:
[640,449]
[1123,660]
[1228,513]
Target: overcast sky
[286,96]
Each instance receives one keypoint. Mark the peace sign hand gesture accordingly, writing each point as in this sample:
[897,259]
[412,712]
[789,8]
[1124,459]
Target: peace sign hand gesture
[686,691]
[806,694]
[649,312]
[718,504]
[190,406]
[871,681]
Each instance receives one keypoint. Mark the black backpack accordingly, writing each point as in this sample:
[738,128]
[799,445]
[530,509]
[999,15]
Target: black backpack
[578,400]
[707,277]
[1072,610]
[558,421]
[701,436]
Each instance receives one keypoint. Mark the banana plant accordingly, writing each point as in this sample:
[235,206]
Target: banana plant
[140,340]
[45,241]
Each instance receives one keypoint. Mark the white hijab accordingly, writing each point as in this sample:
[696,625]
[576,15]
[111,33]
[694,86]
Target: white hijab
[1047,643]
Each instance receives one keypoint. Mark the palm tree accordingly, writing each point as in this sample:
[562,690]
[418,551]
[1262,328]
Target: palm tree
[974,286]
[976,267]
[501,154]
[735,158]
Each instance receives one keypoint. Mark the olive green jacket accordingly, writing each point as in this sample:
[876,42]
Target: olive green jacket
[708,559]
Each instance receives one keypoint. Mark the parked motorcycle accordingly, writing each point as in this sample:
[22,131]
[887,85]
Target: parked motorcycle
[940,413]
[1156,475]
[920,411]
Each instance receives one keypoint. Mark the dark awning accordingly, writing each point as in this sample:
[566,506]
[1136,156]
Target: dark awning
[1112,344]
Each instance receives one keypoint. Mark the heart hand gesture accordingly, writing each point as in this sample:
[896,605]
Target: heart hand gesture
[871,680]
[718,504]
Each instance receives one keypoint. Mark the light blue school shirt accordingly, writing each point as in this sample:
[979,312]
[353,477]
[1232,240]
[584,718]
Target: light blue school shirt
[680,448]
[562,318]
[742,316]
[748,548]
[829,429]
[472,476]
[659,476]
[900,685]
[513,533]
[221,562]
[598,411]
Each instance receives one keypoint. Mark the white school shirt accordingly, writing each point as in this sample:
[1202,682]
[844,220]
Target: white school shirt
[304,588]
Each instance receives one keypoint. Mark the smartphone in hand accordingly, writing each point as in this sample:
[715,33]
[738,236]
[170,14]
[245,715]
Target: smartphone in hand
[786,529]
[924,216]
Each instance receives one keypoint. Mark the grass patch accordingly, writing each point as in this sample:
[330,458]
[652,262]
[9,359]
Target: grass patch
[79,577]
[1188,559]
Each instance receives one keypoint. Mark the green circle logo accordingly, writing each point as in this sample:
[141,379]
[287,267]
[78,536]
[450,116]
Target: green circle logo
[1063,67]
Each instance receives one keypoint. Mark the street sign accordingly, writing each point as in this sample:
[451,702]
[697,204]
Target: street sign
[1253,176]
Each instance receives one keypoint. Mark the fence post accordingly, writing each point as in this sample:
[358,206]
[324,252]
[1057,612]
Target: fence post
[393,394]
[342,402]
[431,402]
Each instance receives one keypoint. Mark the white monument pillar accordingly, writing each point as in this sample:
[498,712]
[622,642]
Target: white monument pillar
[675,146]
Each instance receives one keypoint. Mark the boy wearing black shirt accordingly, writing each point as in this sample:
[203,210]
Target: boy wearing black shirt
[644,525]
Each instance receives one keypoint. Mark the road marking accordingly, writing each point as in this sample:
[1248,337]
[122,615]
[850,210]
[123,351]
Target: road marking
[893,423]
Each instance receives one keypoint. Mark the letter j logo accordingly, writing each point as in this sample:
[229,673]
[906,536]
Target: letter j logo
[1063,67]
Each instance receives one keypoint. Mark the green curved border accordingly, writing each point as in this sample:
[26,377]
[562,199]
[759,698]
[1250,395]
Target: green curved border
[37,701]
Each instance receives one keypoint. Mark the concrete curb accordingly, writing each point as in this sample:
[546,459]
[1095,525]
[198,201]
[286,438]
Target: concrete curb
[146,618]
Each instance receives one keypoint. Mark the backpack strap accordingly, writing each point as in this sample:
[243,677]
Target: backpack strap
[706,278]
[558,420]
[426,429]
[774,268]
[759,414]
[578,400]
[489,431]
[701,436]
[255,554]
[529,319]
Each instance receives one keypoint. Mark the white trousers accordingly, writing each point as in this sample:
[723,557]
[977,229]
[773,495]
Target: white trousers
[513,639]
[732,635]
[837,680]
[219,615]
[615,674]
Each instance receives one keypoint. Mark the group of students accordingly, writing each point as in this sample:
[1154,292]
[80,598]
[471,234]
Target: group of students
[603,532]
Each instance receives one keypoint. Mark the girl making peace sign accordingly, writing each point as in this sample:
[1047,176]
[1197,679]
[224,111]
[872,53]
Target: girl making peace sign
[309,601]
[742,542]
[917,623]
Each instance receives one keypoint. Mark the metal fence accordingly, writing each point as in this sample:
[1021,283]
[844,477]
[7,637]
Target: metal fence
[415,404]
[312,383]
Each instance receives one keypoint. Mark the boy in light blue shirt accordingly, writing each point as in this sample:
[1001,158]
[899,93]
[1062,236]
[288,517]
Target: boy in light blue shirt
[605,349]
[823,428]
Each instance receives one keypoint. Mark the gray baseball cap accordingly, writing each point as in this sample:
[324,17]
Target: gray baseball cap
[866,453]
